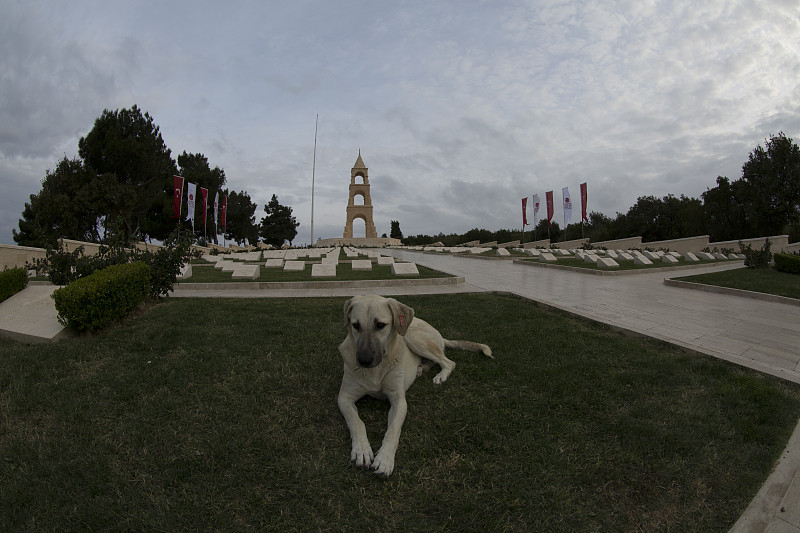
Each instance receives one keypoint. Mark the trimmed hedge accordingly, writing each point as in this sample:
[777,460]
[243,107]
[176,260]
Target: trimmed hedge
[92,302]
[787,263]
[12,281]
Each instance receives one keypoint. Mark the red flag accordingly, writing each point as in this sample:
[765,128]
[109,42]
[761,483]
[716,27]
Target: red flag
[584,202]
[204,193]
[524,211]
[549,199]
[224,210]
[177,198]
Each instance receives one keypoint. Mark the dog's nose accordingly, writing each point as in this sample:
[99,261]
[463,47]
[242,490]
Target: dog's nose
[365,359]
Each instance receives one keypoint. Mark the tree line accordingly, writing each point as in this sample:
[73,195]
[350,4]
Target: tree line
[764,201]
[120,188]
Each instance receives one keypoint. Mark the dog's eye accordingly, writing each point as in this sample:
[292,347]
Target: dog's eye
[380,325]
[356,326]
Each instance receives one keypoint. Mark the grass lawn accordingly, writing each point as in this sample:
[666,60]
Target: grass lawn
[344,272]
[767,280]
[212,414]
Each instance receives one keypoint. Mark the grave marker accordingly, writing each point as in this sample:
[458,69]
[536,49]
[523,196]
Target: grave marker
[323,270]
[361,264]
[294,266]
[405,269]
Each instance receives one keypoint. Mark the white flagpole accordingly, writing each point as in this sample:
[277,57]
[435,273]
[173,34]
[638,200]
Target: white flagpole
[313,172]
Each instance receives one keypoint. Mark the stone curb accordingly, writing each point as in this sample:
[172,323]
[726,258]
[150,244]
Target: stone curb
[734,292]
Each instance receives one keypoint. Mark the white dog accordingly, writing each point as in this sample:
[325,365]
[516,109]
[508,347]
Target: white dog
[383,354]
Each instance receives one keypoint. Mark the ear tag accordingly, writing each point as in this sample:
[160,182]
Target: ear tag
[402,319]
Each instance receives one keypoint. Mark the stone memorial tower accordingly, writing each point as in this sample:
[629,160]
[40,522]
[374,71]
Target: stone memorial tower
[359,188]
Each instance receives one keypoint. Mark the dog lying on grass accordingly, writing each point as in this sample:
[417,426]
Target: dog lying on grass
[386,348]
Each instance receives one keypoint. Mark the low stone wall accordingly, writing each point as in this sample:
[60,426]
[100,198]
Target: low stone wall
[688,244]
[541,243]
[512,244]
[792,248]
[620,244]
[13,256]
[569,245]
[778,243]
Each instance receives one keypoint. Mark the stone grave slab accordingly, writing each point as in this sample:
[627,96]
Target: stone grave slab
[330,260]
[720,256]
[503,252]
[383,260]
[405,269]
[323,270]
[606,262]
[246,272]
[361,264]
[706,256]
[669,260]
[228,266]
[690,257]
[186,272]
[652,256]
[624,256]
[612,254]
[641,260]
[563,253]
[274,263]
[294,266]
[533,252]
[590,258]
[547,257]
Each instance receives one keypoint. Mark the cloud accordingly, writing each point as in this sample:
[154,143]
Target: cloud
[459,109]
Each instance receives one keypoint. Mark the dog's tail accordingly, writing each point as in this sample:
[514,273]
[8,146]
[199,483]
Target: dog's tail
[470,347]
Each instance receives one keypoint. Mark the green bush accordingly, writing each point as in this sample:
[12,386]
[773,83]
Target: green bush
[787,263]
[62,267]
[92,302]
[12,281]
[756,258]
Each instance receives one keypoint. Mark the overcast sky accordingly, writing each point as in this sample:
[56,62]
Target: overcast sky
[459,108]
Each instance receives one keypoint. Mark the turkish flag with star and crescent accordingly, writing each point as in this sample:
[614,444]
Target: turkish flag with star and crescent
[177,199]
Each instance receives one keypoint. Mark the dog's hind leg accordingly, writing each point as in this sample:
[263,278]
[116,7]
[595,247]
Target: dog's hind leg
[424,366]
[431,350]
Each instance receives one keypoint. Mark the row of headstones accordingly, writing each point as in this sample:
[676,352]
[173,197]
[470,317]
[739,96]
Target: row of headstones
[452,249]
[609,258]
[289,261]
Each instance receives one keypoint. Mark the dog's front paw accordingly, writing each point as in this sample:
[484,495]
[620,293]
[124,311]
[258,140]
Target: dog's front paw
[361,454]
[383,465]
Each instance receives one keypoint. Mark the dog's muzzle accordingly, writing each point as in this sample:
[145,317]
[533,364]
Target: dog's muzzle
[368,354]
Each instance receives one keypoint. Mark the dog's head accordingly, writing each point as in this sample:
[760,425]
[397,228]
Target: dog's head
[373,321]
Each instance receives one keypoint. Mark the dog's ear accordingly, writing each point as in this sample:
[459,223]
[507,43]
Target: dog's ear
[402,315]
[347,305]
